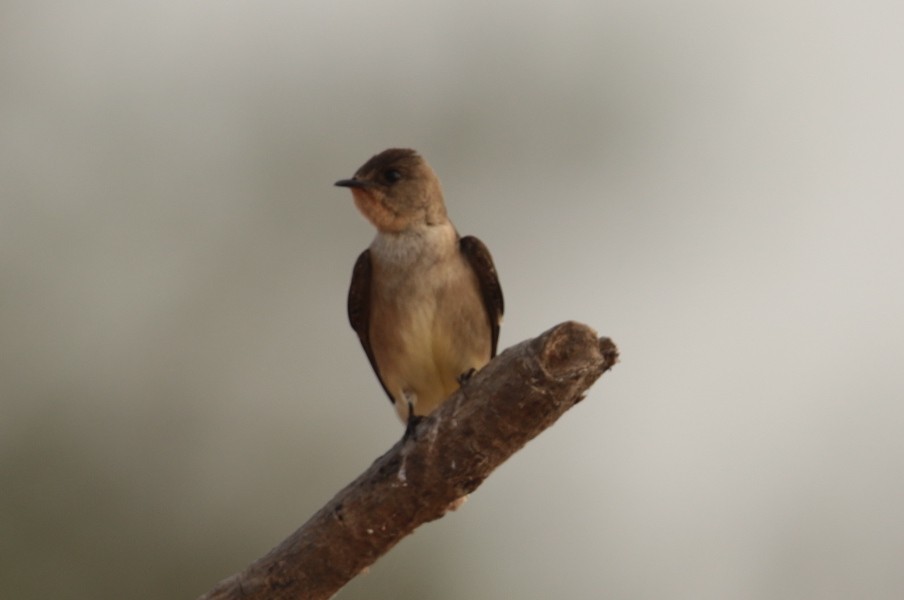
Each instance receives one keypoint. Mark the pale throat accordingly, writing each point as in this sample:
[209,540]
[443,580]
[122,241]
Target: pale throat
[418,244]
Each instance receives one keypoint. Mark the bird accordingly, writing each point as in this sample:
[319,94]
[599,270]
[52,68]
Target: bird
[425,302]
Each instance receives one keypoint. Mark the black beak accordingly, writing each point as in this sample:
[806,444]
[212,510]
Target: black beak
[352,183]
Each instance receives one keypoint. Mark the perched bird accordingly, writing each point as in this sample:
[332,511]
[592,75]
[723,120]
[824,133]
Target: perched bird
[425,303]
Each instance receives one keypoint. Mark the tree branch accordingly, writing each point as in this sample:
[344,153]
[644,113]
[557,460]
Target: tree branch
[507,403]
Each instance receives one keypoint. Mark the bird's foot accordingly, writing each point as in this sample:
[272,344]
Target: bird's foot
[411,425]
[466,376]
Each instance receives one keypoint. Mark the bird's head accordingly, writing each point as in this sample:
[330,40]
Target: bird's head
[396,190]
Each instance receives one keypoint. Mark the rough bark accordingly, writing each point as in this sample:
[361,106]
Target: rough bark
[510,401]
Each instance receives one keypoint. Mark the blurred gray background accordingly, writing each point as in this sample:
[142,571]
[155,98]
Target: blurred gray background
[717,186]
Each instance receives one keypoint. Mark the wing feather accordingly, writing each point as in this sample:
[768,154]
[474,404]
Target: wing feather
[480,260]
[359,310]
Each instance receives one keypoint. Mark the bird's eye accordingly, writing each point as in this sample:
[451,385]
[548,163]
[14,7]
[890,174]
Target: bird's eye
[392,175]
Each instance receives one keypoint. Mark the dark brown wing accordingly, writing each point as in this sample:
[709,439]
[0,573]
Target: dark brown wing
[359,310]
[482,263]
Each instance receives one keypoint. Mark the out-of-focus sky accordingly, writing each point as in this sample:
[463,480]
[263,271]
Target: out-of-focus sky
[717,186]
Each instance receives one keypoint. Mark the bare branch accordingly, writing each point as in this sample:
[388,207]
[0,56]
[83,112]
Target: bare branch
[511,400]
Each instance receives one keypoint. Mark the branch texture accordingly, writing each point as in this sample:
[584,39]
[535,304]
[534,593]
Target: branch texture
[517,395]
